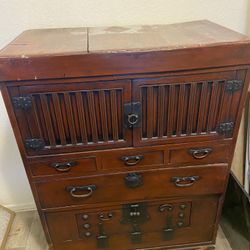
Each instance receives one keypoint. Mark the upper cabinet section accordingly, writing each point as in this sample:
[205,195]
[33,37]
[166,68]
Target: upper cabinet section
[175,109]
[86,52]
[64,117]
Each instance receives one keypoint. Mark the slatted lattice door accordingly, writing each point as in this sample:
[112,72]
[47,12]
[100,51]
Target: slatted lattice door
[66,116]
[185,107]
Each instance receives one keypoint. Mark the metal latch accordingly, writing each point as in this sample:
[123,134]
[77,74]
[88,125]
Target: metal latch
[132,115]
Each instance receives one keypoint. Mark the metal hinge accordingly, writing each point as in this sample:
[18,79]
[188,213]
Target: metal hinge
[132,115]
[22,102]
[233,85]
[225,128]
[34,143]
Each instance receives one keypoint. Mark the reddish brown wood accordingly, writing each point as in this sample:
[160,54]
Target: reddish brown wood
[78,92]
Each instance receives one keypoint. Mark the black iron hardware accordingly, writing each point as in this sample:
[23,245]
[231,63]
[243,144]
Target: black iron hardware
[165,207]
[225,128]
[200,153]
[133,180]
[34,143]
[22,102]
[233,85]
[134,213]
[168,231]
[186,181]
[132,115]
[132,160]
[107,217]
[63,166]
[102,238]
[75,190]
[136,234]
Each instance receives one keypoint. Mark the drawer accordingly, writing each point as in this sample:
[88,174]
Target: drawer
[125,159]
[158,223]
[64,165]
[200,153]
[131,186]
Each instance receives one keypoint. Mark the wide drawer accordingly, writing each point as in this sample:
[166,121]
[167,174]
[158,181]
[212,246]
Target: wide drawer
[131,186]
[135,225]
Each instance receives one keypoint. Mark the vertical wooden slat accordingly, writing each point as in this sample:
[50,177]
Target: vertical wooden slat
[75,115]
[120,112]
[143,99]
[191,105]
[171,111]
[160,117]
[92,115]
[81,113]
[222,105]
[98,115]
[181,107]
[64,116]
[114,114]
[213,103]
[47,118]
[70,117]
[103,111]
[202,105]
[150,112]
[59,118]
[155,110]
[53,117]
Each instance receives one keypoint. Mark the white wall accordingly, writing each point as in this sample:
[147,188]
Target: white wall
[18,15]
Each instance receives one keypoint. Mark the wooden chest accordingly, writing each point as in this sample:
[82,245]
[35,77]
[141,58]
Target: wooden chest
[127,133]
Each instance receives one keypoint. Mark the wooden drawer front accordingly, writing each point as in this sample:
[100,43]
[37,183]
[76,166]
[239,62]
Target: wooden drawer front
[132,186]
[72,117]
[126,159]
[200,153]
[159,223]
[67,165]
[188,106]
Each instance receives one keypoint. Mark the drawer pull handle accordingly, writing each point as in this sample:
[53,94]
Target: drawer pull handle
[74,190]
[132,160]
[200,153]
[63,166]
[185,181]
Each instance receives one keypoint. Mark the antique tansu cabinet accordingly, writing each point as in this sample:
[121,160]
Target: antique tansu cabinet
[127,133]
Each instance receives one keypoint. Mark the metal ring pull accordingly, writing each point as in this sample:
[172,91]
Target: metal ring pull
[63,166]
[132,160]
[73,190]
[200,153]
[133,119]
[106,217]
[185,181]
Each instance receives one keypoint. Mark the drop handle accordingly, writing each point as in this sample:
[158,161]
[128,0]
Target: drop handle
[81,191]
[63,166]
[200,153]
[132,160]
[186,181]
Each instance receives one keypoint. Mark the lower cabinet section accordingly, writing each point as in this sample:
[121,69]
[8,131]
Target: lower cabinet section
[148,224]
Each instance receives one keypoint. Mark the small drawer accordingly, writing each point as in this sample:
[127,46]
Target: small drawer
[125,159]
[156,223]
[131,186]
[200,153]
[67,165]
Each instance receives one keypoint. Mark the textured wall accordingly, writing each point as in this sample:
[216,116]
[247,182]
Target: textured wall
[18,15]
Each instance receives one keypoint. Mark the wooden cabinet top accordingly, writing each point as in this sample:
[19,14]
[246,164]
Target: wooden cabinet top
[116,39]
[113,50]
